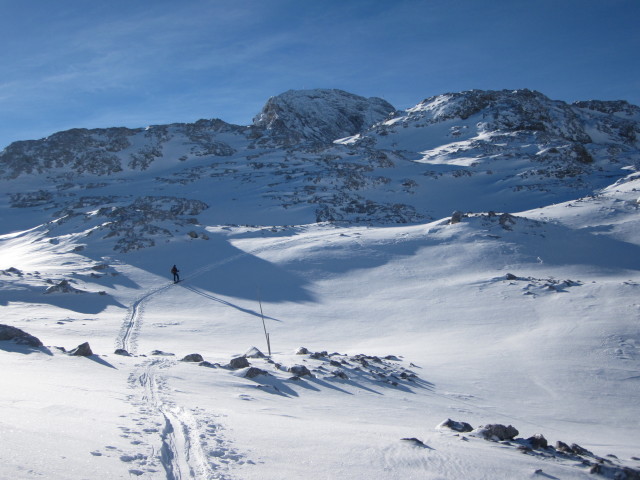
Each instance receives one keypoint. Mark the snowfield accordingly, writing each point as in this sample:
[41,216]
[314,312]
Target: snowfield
[404,341]
[533,325]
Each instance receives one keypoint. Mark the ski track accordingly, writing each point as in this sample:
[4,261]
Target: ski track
[181,453]
[183,441]
[186,444]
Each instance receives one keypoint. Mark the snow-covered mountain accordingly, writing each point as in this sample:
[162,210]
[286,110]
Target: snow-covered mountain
[327,155]
[328,223]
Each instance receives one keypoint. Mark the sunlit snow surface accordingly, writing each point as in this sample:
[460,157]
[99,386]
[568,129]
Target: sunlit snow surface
[552,350]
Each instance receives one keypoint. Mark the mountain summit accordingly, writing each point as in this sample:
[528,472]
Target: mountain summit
[320,116]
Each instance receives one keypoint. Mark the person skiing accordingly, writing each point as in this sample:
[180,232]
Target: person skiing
[176,277]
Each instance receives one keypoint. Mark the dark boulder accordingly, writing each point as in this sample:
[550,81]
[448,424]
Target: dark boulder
[537,442]
[193,357]
[253,372]
[82,350]
[299,370]
[238,363]
[415,441]
[208,364]
[122,351]
[20,337]
[456,426]
[497,432]
[340,374]
[563,447]
[578,450]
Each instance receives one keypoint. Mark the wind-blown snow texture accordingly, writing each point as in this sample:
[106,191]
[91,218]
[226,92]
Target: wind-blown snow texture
[327,224]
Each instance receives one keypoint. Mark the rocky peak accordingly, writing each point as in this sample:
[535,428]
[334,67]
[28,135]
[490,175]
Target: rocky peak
[504,110]
[465,104]
[319,116]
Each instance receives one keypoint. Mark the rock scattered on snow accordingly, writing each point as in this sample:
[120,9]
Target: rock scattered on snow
[63,287]
[208,364]
[20,337]
[253,352]
[536,286]
[82,350]
[415,441]
[334,367]
[537,446]
[238,363]
[253,372]
[578,450]
[299,370]
[340,374]
[537,441]
[161,353]
[122,351]
[302,351]
[563,447]
[193,357]
[12,271]
[496,432]
[456,426]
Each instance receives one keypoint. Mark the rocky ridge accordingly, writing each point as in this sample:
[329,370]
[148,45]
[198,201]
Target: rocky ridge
[324,156]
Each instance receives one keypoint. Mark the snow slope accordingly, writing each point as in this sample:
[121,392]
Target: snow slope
[527,318]
[552,351]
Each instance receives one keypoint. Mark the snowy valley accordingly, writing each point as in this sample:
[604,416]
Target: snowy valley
[427,278]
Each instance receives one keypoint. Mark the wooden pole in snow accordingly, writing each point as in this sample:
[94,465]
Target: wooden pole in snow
[264,325]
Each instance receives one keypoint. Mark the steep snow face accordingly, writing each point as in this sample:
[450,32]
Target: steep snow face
[320,116]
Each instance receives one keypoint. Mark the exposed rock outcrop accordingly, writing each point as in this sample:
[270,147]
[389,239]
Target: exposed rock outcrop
[238,363]
[17,336]
[319,116]
[193,357]
[82,350]
[497,432]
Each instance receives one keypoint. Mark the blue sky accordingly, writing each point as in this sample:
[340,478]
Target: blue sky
[67,64]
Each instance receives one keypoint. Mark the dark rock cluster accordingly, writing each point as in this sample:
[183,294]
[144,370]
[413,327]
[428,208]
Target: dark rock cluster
[538,446]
